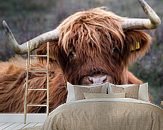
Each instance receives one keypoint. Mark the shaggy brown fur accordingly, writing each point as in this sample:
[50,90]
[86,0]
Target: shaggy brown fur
[90,42]
[95,41]
[12,88]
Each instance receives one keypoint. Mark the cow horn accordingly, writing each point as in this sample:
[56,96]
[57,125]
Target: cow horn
[34,43]
[136,23]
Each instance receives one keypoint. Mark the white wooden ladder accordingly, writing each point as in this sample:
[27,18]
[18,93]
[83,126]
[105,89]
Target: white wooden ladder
[35,70]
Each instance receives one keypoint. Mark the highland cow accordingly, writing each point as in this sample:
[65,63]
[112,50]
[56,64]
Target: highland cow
[89,47]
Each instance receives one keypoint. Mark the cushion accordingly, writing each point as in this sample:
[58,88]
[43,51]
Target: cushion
[161,103]
[143,92]
[103,95]
[76,92]
[130,90]
[137,91]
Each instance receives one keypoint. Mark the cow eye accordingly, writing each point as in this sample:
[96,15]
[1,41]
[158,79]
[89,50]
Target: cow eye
[115,50]
[71,55]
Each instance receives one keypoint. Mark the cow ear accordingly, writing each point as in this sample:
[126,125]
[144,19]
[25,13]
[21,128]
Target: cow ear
[137,43]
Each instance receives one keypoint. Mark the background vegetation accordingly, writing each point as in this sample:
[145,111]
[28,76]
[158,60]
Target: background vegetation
[29,18]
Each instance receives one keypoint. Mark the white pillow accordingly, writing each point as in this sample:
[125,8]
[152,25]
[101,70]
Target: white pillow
[130,90]
[76,92]
[103,95]
[143,92]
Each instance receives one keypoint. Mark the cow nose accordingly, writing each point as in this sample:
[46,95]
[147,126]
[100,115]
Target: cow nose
[97,79]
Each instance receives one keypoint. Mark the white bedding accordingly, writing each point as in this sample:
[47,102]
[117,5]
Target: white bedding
[106,114]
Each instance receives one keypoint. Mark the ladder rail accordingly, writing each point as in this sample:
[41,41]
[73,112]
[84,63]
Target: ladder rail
[47,66]
[30,69]
[26,85]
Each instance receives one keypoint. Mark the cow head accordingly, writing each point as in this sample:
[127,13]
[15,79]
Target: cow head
[95,46]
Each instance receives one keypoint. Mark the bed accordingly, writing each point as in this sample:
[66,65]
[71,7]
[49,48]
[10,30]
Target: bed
[106,114]
[106,107]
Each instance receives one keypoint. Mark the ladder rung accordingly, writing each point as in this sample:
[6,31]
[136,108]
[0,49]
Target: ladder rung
[38,89]
[38,70]
[42,70]
[38,55]
[36,105]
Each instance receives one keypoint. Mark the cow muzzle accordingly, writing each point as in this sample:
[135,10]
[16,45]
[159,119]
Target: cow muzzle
[96,79]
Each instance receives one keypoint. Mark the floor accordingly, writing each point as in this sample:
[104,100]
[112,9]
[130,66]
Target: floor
[18,126]
[13,121]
